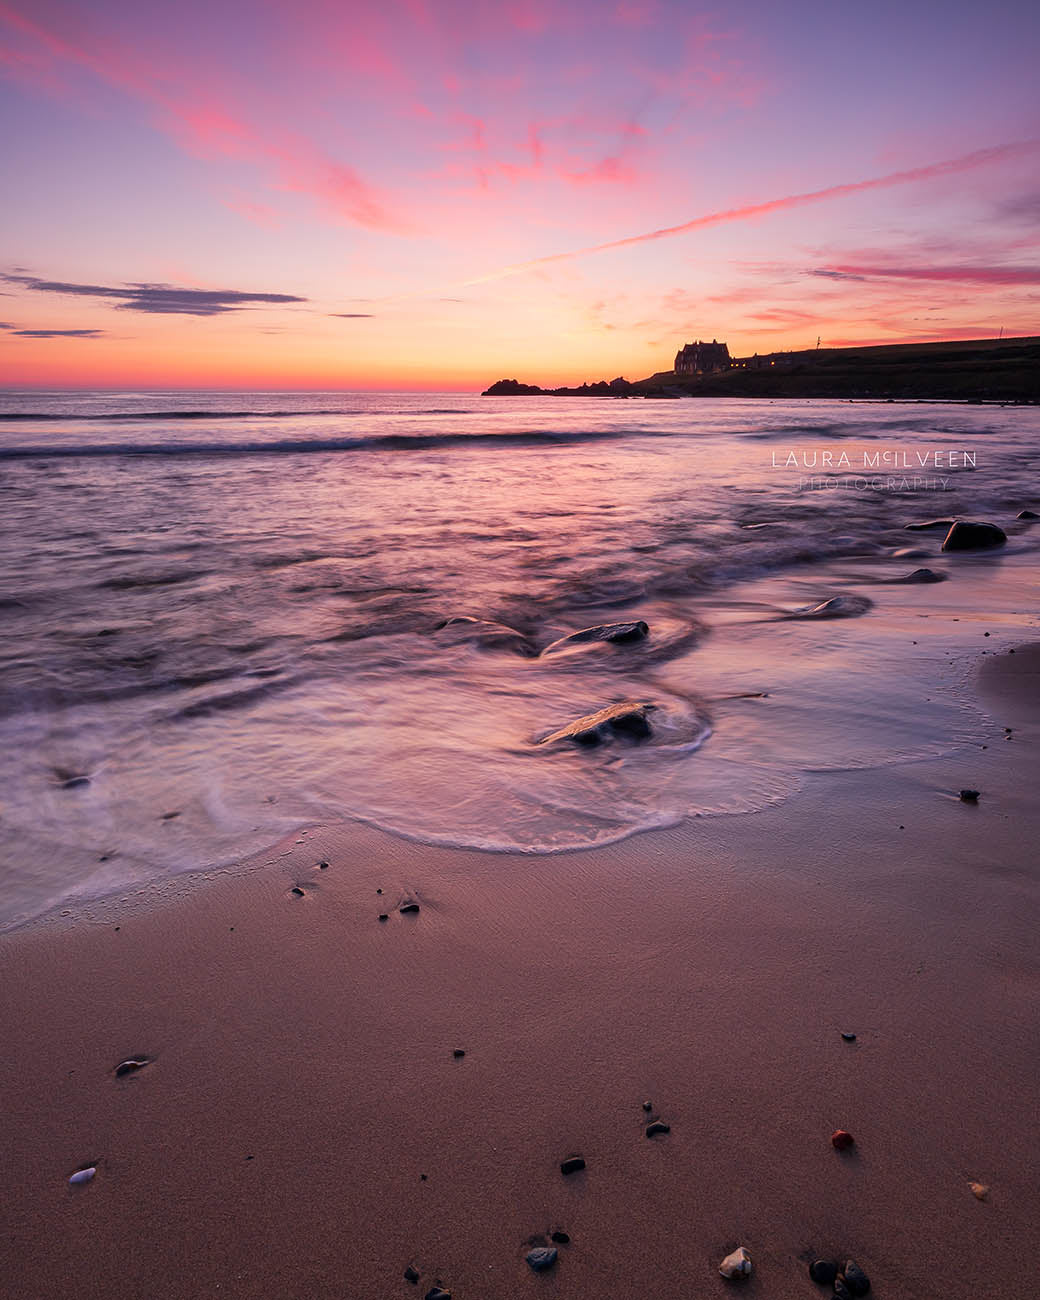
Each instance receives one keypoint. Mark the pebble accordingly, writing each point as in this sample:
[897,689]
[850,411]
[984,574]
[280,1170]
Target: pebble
[841,1289]
[561,1238]
[296,891]
[979,1190]
[411,1275]
[656,1127]
[823,1271]
[738,1264]
[383,916]
[323,866]
[841,1141]
[542,1258]
[83,1176]
[855,1279]
[407,908]
[970,796]
[437,1294]
[129,1066]
[851,1038]
[648,1106]
[458,1053]
[572,1165]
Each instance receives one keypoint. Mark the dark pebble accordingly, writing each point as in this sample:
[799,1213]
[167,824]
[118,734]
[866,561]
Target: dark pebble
[1022,514]
[969,796]
[841,1289]
[851,1038]
[648,1106]
[656,1127]
[379,891]
[855,1279]
[323,866]
[561,1238]
[572,1165]
[458,1053]
[296,891]
[168,817]
[438,1294]
[408,908]
[841,1141]
[823,1271]
[542,1257]
[383,916]
[74,782]
[131,1066]
[411,1275]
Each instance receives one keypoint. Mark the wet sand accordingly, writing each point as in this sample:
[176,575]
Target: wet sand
[303,1080]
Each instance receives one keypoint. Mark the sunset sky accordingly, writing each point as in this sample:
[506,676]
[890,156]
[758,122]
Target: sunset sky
[433,194]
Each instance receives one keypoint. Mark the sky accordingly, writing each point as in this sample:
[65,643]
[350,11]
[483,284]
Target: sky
[435,194]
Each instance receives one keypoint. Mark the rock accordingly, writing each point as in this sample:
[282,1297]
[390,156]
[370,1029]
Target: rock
[131,1065]
[437,1294]
[411,1275]
[458,1053]
[296,891]
[932,523]
[836,607]
[1027,514]
[75,782]
[849,1037]
[855,1279]
[841,1141]
[323,866]
[572,1165]
[383,916]
[969,796]
[648,1106]
[738,1264]
[616,633]
[966,535]
[979,1190]
[652,1130]
[923,575]
[628,717]
[823,1271]
[561,1238]
[511,388]
[484,632]
[408,909]
[842,1290]
[82,1176]
[542,1258]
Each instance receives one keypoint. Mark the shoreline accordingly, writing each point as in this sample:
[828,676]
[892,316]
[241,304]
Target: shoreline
[303,1078]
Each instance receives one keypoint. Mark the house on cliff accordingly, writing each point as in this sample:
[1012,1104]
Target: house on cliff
[702,358]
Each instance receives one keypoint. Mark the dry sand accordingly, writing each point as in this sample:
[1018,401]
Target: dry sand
[303,1080]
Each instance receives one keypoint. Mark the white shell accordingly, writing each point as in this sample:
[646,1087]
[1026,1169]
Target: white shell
[83,1175]
[736,1265]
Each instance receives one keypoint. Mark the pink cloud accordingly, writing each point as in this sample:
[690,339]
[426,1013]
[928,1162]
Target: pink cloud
[995,275]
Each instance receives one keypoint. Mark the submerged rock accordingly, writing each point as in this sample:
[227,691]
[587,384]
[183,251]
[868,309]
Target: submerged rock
[931,523]
[561,1238]
[835,607]
[437,1293]
[542,1258]
[408,909]
[841,1141]
[617,633]
[922,575]
[737,1264]
[966,535]
[82,1176]
[1027,514]
[842,1290]
[411,1275]
[823,1271]
[131,1065]
[484,632]
[652,1130]
[629,717]
[572,1165]
[969,796]
[848,1036]
[855,1279]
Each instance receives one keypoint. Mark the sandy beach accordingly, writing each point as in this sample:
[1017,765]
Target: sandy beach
[305,1129]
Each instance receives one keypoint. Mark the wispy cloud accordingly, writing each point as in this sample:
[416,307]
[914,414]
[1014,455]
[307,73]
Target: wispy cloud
[158,299]
[351,315]
[1001,275]
[58,334]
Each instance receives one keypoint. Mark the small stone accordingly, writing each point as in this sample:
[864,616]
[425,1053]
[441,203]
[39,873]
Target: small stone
[411,1275]
[855,1279]
[841,1289]
[823,1271]
[408,909]
[970,796]
[542,1258]
[848,1037]
[979,1190]
[383,916]
[437,1294]
[1027,514]
[738,1264]
[323,866]
[968,535]
[841,1141]
[83,1176]
[656,1127]
[648,1106]
[458,1053]
[379,891]
[561,1238]
[131,1065]
[296,891]
[572,1165]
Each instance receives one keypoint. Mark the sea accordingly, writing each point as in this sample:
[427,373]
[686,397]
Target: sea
[228,616]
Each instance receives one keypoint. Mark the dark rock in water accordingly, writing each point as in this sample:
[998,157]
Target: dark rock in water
[411,1275]
[1027,514]
[511,388]
[842,1290]
[910,553]
[841,1141]
[383,916]
[923,575]
[618,633]
[836,607]
[168,817]
[407,909]
[75,782]
[484,632]
[296,891]
[652,1130]
[323,866]
[572,1165]
[458,1053]
[561,1238]
[131,1066]
[932,523]
[849,1037]
[648,1106]
[968,536]
[855,1279]
[970,796]
[437,1294]
[823,1271]
[628,717]
[542,1257]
